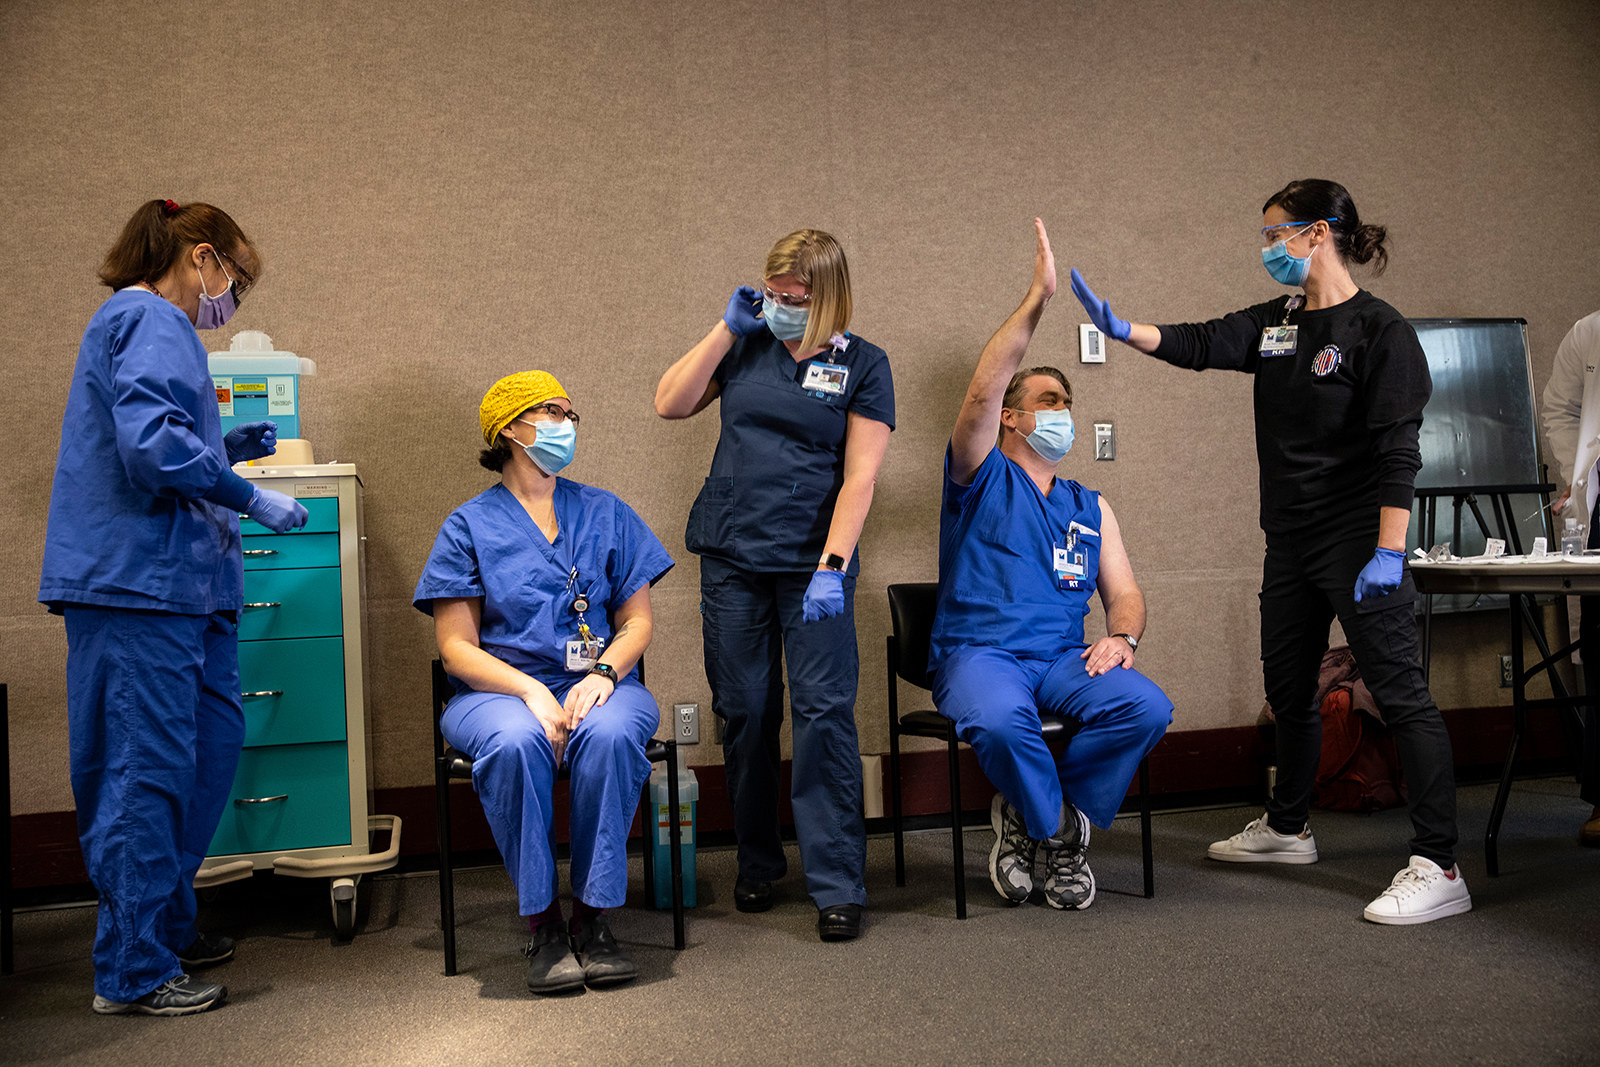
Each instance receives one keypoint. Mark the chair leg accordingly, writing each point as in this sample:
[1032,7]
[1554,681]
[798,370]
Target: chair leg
[675,842]
[447,894]
[897,818]
[647,827]
[1144,827]
[957,841]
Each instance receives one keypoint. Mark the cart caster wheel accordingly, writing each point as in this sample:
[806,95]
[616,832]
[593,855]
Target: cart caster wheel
[342,894]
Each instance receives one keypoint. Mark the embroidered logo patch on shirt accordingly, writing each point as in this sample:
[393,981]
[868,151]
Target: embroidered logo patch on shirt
[1326,362]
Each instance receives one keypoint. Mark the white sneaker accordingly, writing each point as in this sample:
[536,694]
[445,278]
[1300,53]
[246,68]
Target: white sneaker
[1421,893]
[1260,843]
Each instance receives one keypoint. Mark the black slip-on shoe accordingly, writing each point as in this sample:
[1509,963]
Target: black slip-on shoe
[842,922]
[751,895]
[603,961]
[551,965]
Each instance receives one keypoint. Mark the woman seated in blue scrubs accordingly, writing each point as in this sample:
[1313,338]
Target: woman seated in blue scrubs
[806,412]
[539,590]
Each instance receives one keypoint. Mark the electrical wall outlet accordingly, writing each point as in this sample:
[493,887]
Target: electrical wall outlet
[686,718]
[1105,441]
[1505,671]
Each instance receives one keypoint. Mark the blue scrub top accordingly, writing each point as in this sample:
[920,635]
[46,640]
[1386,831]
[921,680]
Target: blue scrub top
[489,547]
[779,464]
[998,585]
[141,441]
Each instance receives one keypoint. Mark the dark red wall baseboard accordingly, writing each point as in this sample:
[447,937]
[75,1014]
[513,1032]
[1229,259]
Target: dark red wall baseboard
[1221,762]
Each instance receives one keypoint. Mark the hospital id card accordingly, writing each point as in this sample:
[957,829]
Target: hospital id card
[826,378]
[1070,562]
[1279,341]
[581,655]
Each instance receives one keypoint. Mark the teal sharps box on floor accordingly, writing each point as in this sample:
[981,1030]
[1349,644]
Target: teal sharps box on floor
[255,382]
[661,810]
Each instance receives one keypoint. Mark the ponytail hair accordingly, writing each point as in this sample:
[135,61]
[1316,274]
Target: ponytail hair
[162,231]
[1316,198]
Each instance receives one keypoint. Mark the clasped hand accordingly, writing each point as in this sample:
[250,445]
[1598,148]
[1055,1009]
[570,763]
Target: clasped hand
[251,440]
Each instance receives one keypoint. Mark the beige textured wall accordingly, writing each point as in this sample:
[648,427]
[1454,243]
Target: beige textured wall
[445,193]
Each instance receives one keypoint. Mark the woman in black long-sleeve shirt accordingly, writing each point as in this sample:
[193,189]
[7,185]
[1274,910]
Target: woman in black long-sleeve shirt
[1340,383]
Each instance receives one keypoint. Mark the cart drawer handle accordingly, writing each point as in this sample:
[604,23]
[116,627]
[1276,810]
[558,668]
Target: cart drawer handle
[240,802]
[260,552]
[263,693]
[265,604]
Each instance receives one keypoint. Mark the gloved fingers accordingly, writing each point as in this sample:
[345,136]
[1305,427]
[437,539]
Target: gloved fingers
[1085,295]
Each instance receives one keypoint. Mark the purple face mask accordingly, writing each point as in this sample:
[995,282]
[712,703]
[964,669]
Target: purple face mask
[215,311]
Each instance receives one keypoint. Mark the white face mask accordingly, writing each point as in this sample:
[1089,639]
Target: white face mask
[1052,434]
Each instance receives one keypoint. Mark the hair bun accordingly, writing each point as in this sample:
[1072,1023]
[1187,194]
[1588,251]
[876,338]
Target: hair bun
[170,207]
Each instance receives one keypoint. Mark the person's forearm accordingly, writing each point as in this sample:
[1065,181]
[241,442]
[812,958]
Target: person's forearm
[1126,615]
[685,381]
[849,516]
[1144,337]
[628,643]
[1392,526]
[485,672]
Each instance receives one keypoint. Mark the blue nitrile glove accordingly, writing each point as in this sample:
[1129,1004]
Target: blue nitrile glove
[276,511]
[1099,311]
[251,440]
[741,314]
[1381,576]
[824,596]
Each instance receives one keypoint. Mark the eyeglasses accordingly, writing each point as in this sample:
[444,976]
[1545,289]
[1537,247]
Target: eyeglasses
[788,300]
[1271,235]
[241,278]
[557,414]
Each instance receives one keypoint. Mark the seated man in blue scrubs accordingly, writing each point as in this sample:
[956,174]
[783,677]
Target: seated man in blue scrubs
[1020,554]
[539,590]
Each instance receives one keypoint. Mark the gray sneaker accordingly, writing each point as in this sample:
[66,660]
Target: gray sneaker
[1070,883]
[180,995]
[1011,858]
[552,968]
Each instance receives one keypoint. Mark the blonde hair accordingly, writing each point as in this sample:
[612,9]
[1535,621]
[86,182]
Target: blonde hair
[816,260]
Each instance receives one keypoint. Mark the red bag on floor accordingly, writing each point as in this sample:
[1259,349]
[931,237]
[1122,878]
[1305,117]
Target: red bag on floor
[1359,769]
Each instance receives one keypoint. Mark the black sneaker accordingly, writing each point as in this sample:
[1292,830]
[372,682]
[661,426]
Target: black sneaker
[604,962]
[551,968]
[205,951]
[181,995]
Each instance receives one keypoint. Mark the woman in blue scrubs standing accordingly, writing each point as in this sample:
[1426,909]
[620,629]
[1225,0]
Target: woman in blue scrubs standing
[539,590]
[807,409]
[142,558]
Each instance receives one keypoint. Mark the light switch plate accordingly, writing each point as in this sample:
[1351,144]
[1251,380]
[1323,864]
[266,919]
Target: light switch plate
[1105,441]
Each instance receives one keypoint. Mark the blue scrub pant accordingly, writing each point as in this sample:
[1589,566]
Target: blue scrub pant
[155,731]
[995,700]
[514,773]
[752,625]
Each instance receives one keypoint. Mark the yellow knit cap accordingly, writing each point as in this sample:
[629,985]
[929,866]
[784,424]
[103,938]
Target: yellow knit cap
[511,396]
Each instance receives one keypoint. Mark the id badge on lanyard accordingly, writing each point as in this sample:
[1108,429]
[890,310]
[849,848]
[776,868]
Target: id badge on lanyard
[1069,562]
[1282,339]
[826,379]
[584,651]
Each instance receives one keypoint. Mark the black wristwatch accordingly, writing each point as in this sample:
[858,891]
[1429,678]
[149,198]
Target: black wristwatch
[832,561]
[1133,642]
[605,670]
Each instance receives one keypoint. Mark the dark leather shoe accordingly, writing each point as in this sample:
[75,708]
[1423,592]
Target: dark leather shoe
[750,895]
[552,968]
[604,963]
[842,922]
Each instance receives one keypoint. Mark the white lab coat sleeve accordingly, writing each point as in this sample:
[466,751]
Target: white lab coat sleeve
[1562,409]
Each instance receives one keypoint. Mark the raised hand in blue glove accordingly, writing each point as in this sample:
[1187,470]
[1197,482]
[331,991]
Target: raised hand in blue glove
[741,316]
[824,596]
[251,440]
[276,511]
[1099,311]
[1381,576]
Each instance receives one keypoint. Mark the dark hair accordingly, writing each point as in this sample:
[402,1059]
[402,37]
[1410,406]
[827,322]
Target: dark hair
[1315,198]
[159,234]
[1014,390]
[496,457]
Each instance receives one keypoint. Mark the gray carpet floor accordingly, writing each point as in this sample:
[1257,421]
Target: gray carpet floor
[1227,964]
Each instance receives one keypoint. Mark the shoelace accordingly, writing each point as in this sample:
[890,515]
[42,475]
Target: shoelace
[1409,882]
[1070,864]
[1016,837]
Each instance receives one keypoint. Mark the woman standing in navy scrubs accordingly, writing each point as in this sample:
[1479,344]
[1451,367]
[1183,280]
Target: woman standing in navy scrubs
[806,412]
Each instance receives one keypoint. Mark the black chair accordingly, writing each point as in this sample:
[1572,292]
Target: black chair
[911,608]
[449,763]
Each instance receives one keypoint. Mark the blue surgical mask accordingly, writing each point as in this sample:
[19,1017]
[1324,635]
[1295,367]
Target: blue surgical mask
[215,311]
[554,444]
[1284,268]
[1052,434]
[786,323]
